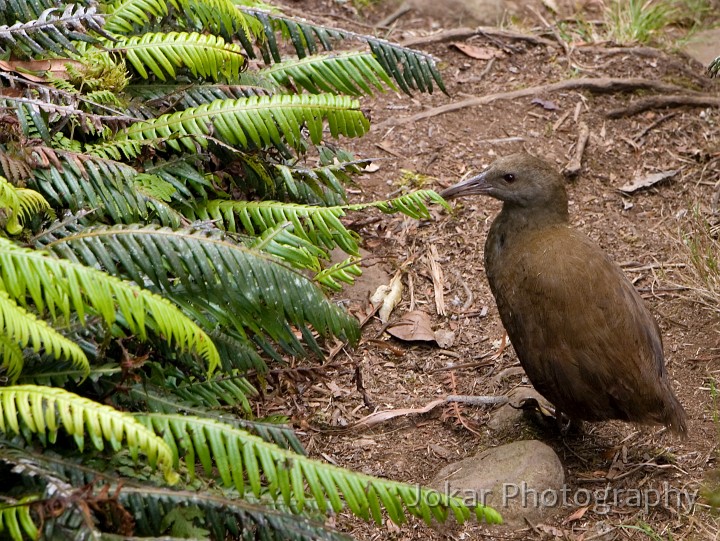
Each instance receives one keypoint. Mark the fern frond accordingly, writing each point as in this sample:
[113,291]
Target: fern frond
[344,271]
[31,204]
[12,354]
[15,518]
[324,184]
[61,285]
[204,55]
[15,167]
[10,204]
[217,16]
[227,518]
[106,186]
[413,204]
[185,96]
[260,121]
[52,30]
[19,204]
[351,73]
[245,461]
[281,242]
[22,327]
[213,272]
[318,225]
[12,12]
[411,69]
[230,390]
[43,410]
[714,67]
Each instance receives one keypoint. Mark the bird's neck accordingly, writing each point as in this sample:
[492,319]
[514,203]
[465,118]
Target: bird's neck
[515,218]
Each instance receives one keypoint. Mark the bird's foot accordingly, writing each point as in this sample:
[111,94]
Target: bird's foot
[547,415]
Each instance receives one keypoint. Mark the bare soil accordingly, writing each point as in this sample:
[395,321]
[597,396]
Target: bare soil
[642,232]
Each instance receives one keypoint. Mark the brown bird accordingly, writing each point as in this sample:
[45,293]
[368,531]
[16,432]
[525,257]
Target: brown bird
[580,329]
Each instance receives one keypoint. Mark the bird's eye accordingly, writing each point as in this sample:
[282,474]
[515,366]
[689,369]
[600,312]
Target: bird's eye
[509,177]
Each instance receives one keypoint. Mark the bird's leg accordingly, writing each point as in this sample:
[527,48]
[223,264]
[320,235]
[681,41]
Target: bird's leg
[503,345]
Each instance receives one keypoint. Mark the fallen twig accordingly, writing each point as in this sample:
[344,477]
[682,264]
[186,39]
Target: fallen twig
[458,34]
[575,164]
[438,279]
[658,102]
[642,133]
[382,416]
[599,85]
[394,16]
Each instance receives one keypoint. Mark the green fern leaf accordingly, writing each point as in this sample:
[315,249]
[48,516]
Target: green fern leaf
[204,55]
[52,30]
[62,285]
[216,274]
[318,225]
[411,70]
[346,73]
[345,271]
[714,67]
[16,521]
[258,121]
[12,355]
[227,518]
[43,410]
[245,461]
[18,326]
[217,16]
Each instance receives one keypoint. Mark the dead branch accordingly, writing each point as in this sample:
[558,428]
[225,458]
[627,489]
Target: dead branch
[684,66]
[575,165]
[659,102]
[459,34]
[394,16]
[642,133]
[598,85]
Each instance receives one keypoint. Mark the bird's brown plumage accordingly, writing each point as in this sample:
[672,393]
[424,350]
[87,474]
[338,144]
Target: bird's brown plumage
[580,329]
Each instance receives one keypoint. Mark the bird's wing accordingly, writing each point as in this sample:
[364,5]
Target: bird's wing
[576,321]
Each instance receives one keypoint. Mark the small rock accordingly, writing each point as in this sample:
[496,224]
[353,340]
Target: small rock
[703,46]
[523,479]
[466,12]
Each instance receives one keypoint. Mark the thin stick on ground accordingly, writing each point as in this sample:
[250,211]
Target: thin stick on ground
[598,85]
[572,169]
[459,34]
[660,102]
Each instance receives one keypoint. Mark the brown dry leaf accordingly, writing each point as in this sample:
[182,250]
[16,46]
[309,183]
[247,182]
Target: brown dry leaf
[32,69]
[577,514]
[648,180]
[445,339]
[382,416]
[550,530]
[413,326]
[371,168]
[479,53]
[548,105]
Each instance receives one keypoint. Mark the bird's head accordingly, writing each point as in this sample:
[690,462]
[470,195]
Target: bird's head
[519,180]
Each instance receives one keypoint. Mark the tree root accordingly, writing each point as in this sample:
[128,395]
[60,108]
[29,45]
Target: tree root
[659,102]
[597,85]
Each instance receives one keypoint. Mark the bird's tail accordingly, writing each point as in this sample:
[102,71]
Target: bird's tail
[674,416]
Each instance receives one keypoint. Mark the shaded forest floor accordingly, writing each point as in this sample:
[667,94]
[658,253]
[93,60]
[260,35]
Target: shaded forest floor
[644,231]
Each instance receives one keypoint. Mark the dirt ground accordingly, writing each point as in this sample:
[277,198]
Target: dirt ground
[641,231]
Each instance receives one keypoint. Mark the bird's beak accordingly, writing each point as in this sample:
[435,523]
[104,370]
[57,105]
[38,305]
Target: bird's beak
[476,185]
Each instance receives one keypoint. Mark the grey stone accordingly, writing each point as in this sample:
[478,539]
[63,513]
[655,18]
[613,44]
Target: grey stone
[703,46]
[464,12]
[523,479]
